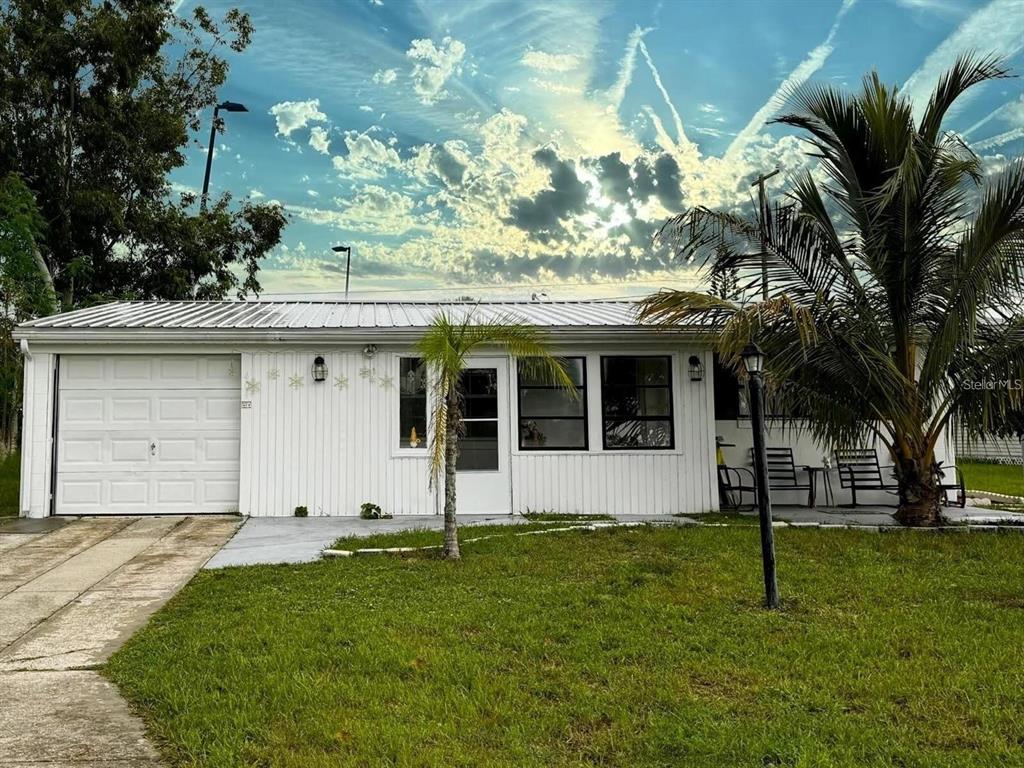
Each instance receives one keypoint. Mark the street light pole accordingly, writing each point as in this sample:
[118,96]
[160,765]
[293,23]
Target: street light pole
[227,106]
[347,249]
[762,204]
[753,359]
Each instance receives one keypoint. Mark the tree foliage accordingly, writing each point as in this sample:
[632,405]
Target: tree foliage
[97,104]
[445,349]
[24,292]
[895,272]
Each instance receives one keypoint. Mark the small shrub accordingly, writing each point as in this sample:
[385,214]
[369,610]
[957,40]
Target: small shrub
[301,512]
[370,511]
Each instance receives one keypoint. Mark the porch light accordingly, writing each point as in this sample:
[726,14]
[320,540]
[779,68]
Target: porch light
[319,369]
[753,358]
[696,369]
[370,351]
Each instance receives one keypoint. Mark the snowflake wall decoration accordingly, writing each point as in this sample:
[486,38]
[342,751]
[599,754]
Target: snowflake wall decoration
[295,381]
[251,386]
[386,382]
[272,374]
[341,382]
[367,373]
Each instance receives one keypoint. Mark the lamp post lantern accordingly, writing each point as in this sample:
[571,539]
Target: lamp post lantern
[227,106]
[347,250]
[753,361]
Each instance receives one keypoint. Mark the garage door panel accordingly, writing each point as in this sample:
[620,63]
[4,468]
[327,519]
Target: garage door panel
[148,435]
[108,372]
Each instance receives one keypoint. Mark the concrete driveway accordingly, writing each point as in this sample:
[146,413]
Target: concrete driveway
[70,595]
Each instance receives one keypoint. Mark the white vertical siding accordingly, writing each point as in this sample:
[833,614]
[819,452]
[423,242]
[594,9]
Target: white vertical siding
[627,482]
[323,446]
[37,435]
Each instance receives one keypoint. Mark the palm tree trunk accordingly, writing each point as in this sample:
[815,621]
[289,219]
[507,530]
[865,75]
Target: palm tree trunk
[918,492]
[451,457]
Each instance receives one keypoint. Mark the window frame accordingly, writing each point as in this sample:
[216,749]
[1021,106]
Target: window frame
[582,389]
[670,417]
[397,449]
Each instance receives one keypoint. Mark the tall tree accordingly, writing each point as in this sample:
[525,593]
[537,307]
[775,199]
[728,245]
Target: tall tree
[24,293]
[445,349]
[97,104]
[896,282]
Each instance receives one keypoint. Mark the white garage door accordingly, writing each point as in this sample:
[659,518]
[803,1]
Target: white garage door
[140,434]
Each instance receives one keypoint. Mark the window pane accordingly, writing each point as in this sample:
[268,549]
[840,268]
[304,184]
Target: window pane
[632,371]
[478,449]
[637,402]
[480,393]
[530,374]
[549,402]
[638,434]
[412,403]
[552,433]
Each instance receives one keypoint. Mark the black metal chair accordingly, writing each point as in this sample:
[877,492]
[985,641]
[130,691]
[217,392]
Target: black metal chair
[783,472]
[731,487]
[955,484]
[859,470]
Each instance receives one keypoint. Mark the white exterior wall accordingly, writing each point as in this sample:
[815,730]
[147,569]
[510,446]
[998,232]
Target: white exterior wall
[322,445]
[37,435]
[681,480]
[331,448]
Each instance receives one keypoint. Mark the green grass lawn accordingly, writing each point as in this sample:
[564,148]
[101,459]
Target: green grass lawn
[10,477]
[1000,478]
[627,647]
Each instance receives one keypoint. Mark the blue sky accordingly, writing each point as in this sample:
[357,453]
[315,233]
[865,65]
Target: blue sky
[499,148]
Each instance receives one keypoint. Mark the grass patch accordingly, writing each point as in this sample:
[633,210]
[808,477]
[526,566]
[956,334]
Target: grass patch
[426,537]
[563,518]
[998,478]
[10,481]
[623,647]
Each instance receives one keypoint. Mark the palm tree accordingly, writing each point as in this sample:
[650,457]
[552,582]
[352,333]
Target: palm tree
[895,274]
[444,349]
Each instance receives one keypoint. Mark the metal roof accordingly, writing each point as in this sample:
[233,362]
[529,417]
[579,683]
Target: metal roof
[325,315]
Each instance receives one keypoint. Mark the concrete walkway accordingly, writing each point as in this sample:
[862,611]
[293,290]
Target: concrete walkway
[70,596]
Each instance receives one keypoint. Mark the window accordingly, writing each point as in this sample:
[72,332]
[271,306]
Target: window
[478,448]
[636,402]
[549,418]
[412,403]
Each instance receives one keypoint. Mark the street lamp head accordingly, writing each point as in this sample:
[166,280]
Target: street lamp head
[341,248]
[753,358]
[232,106]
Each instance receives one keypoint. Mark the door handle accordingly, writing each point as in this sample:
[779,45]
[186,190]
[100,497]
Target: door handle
[152,449]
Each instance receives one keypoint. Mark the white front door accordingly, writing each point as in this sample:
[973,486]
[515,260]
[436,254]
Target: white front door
[147,434]
[484,477]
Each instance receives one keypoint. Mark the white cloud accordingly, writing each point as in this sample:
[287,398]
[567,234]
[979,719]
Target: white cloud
[815,60]
[365,108]
[999,140]
[996,28]
[312,193]
[293,115]
[434,64]
[550,62]
[256,194]
[367,158]
[320,140]
[385,76]
[618,91]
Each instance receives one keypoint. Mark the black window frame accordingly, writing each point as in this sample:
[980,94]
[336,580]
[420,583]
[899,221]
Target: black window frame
[426,406]
[580,388]
[671,417]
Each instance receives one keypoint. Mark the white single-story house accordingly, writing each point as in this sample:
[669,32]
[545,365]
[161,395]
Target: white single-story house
[260,407]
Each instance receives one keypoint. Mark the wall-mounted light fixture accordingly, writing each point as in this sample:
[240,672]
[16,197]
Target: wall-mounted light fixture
[319,369]
[696,369]
[370,351]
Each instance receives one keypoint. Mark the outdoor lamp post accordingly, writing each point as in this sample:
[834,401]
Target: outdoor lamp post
[227,106]
[346,249]
[753,361]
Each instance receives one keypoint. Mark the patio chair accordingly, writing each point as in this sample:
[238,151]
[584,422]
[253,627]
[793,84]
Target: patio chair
[732,486]
[956,484]
[782,472]
[859,470]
